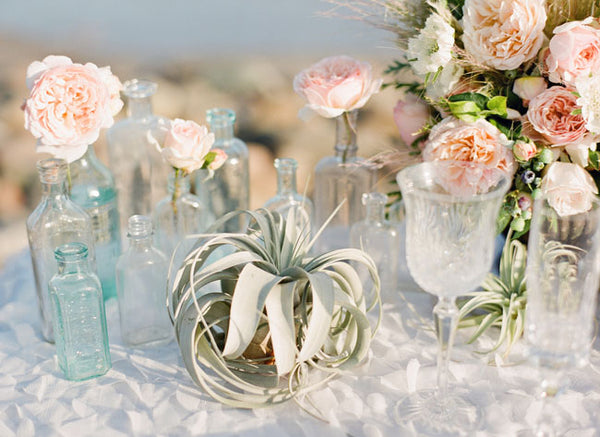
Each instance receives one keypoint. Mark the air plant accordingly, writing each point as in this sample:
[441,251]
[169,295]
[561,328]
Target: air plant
[267,321]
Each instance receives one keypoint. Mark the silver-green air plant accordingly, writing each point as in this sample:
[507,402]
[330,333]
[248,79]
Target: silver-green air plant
[259,320]
[502,302]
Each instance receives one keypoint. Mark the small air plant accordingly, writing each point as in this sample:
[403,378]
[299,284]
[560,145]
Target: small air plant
[253,324]
[502,303]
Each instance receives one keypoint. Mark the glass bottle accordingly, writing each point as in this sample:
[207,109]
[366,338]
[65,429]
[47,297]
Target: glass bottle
[78,315]
[54,222]
[229,189]
[138,169]
[141,288]
[287,195]
[343,177]
[380,239]
[93,188]
[177,215]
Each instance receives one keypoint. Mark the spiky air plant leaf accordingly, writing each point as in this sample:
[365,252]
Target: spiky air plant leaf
[502,303]
[254,324]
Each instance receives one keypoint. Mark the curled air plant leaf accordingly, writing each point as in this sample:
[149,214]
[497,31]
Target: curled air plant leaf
[502,303]
[253,323]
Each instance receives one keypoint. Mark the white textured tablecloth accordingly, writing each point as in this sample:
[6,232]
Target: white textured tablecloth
[148,392]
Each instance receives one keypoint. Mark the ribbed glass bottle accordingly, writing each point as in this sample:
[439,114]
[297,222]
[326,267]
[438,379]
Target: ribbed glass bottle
[78,315]
[138,169]
[287,194]
[141,288]
[55,221]
[229,189]
[343,177]
[93,188]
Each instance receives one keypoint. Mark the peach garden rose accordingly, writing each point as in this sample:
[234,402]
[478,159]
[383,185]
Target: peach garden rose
[551,114]
[503,34]
[336,85]
[69,104]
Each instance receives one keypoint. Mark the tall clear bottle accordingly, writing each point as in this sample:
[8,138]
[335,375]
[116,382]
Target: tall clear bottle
[380,239]
[141,288]
[55,221]
[79,316]
[177,215]
[343,177]
[229,189]
[138,169]
[287,194]
[93,188]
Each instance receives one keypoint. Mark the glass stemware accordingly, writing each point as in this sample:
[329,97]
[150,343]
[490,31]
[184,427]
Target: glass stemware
[451,211]
[563,269]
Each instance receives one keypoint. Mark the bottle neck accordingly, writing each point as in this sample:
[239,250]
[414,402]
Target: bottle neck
[286,181]
[178,183]
[375,213]
[345,135]
[223,131]
[54,190]
[139,107]
[87,159]
[140,243]
[221,121]
[74,266]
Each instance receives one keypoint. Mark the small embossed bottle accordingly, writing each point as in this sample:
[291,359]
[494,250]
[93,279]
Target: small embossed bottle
[141,288]
[78,315]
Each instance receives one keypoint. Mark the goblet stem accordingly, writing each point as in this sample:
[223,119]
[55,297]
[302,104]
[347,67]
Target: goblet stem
[446,317]
[547,421]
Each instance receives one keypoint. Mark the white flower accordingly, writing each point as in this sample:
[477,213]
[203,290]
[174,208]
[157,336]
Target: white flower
[589,100]
[569,188]
[445,82]
[432,47]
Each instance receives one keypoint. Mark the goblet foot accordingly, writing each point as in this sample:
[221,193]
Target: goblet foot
[433,415]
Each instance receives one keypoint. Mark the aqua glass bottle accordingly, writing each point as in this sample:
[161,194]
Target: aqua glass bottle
[93,188]
[78,315]
[287,194]
[380,239]
[142,288]
[229,189]
[343,177]
[137,166]
[178,215]
[55,221]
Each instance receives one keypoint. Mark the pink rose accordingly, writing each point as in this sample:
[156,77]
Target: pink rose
[574,51]
[335,85]
[569,188]
[220,158]
[479,142]
[524,151]
[411,115]
[551,114]
[69,104]
[186,145]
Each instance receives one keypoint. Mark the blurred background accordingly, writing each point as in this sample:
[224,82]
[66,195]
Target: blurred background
[239,54]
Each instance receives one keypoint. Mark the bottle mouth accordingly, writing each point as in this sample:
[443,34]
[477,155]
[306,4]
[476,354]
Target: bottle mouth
[52,170]
[71,252]
[220,117]
[139,88]
[285,164]
[139,226]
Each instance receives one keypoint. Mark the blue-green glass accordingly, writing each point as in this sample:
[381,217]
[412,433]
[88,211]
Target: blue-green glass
[93,188]
[78,315]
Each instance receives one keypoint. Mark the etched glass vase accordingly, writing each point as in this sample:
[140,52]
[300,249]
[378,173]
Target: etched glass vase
[93,188]
[137,166]
[343,177]
[229,189]
[78,315]
[141,288]
[54,222]
[287,195]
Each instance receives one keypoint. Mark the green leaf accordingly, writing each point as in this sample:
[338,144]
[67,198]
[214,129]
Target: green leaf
[465,110]
[594,159]
[497,106]
[280,309]
[479,99]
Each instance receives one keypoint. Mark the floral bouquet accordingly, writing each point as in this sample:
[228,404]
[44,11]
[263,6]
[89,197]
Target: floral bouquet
[511,84]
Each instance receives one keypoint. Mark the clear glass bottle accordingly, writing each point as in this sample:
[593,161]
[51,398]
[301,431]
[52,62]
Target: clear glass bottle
[343,177]
[138,168]
[93,188]
[54,222]
[380,239]
[78,315]
[287,194]
[141,288]
[229,189]
[177,215]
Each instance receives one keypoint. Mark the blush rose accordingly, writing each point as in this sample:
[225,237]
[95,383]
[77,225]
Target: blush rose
[187,144]
[410,115]
[569,188]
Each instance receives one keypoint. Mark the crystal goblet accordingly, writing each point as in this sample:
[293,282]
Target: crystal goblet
[563,270]
[451,211]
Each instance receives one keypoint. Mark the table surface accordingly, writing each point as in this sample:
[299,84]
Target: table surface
[148,391]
